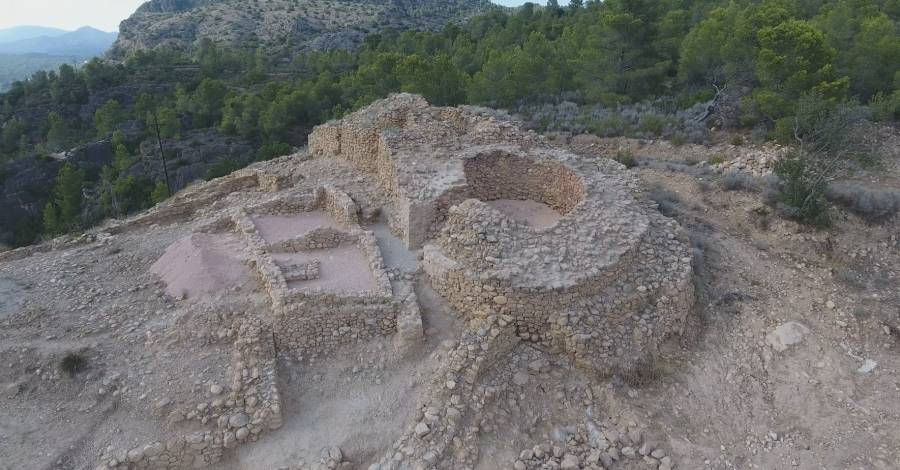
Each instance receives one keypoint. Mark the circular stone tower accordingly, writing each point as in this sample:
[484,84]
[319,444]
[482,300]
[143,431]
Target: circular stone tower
[605,284]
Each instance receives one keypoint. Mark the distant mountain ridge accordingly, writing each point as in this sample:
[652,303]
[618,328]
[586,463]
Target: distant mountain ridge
[18,33]
[82,43]
[282,26]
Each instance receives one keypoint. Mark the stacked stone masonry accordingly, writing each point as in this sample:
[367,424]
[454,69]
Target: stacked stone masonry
[312,322]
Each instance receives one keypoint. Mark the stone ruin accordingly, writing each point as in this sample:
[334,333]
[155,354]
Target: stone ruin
[525,241]
[603,284]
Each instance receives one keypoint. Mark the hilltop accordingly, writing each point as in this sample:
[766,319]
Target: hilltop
[282,25]
[437,288]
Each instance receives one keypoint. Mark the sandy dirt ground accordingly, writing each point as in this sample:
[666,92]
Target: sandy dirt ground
[535,214]
[276,229]
[358,401]
[11,297]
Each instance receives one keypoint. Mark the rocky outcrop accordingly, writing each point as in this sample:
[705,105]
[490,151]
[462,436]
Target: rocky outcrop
[284,25]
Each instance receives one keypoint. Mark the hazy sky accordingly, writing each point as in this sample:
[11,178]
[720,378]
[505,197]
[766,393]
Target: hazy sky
[101,14]
[67,14]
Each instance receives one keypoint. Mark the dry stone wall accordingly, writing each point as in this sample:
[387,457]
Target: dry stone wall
[251,408]
[309,323]
[439,436]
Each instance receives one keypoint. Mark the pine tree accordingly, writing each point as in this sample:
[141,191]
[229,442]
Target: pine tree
[108,117]
[68,196]
[51,219]
[160,192]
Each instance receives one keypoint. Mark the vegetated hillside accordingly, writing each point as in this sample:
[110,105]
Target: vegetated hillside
[28,49]
[811,74]
[282,26]
[15,67]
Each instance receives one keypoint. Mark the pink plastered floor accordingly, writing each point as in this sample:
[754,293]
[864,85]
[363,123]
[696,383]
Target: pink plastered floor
[343,269]
[202,264]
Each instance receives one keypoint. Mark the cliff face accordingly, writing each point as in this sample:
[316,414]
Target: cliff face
[283,26]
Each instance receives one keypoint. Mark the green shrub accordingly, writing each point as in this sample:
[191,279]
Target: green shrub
[612,126]
[160,192]
[872,203]
[72,364]
[272,150]
[885,107]
[717,159]
[626,158]
[801,192]
[737,181]
[653,123]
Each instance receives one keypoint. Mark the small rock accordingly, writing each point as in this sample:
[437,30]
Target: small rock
[644,449]
[569,462]
[422,430]
[867,367]
[215,389]
[239,420]
[786,335]
[520,379]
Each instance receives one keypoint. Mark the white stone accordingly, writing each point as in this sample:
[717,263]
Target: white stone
[786,335]
[422,430]
[867,367]
[569,462]
[520,378]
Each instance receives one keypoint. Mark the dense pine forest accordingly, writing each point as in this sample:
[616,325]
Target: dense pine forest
[805,72]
